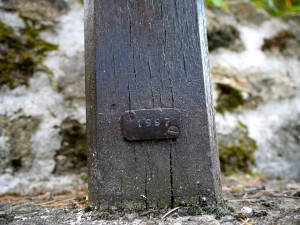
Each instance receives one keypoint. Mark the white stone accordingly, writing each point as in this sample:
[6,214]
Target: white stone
[247,211]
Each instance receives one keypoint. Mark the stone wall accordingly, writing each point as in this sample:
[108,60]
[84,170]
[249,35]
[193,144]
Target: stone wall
[265,72]
[38,121]
[255,66]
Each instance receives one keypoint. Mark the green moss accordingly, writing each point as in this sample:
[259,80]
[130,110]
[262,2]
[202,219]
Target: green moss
[228,99]
[72,157]
[274,7]
[22,52]
[81,1]
[216,3]
[217,210]
[278,7]
[190,211]
[237,154]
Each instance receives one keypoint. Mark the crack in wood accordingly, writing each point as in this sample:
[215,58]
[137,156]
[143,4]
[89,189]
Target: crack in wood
[146,54]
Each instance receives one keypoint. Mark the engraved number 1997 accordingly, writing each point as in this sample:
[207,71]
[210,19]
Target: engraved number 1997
[152,122]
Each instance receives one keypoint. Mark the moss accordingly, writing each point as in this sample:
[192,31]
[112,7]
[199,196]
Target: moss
[237,152]
[81,1]
[72,157]
[274,7]
[278,7]
[225,36]
[216,3]
[217,210]
[285,42]
[229,98]
[22,52]
[16,153]
[84,178]
[108,213]
[190,211]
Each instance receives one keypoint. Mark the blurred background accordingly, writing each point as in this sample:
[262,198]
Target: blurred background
[255,64]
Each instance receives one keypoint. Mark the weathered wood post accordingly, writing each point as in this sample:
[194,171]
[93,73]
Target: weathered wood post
[150,119]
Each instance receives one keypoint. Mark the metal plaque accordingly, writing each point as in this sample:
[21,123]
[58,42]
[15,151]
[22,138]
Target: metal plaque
[151,124]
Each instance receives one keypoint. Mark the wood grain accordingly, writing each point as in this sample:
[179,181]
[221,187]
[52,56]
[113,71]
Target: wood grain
[143,54]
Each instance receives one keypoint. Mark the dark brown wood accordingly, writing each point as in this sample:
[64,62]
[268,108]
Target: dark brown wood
[145,54]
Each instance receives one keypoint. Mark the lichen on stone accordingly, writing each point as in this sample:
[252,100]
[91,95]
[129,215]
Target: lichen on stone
[22,52]
[72,87]
[225,36]
[236,150]
[228,99]
[246,12]
[41,10]
[221,33]
[16,151]
[72,157]
[284,42]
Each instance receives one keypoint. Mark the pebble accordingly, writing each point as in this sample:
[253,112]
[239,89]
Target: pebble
[247,212]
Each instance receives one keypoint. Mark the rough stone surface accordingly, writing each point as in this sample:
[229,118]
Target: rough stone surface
[37,9]
[71,81]
[251,201]
[237,150]
[222,33]
[285,42]
[268,80]
[50,103]
[247,13]
[16,144]
[71,157]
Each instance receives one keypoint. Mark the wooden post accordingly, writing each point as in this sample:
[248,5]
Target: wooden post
[149,54]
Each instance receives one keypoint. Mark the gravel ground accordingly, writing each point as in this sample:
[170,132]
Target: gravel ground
[249,200]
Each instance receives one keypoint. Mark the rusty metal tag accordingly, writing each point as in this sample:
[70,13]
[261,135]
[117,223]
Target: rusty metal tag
[151,124]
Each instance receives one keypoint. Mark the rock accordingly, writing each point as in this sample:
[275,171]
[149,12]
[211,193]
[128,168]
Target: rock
[37,9]
[151,222]
[286,137]
[71,82]
[246,13]
[261,86]
[246,212]
[65,209]
[16,147]
[72,156]
[236,150]
[42,100]
[255,87]
[221,33]
[286,42]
